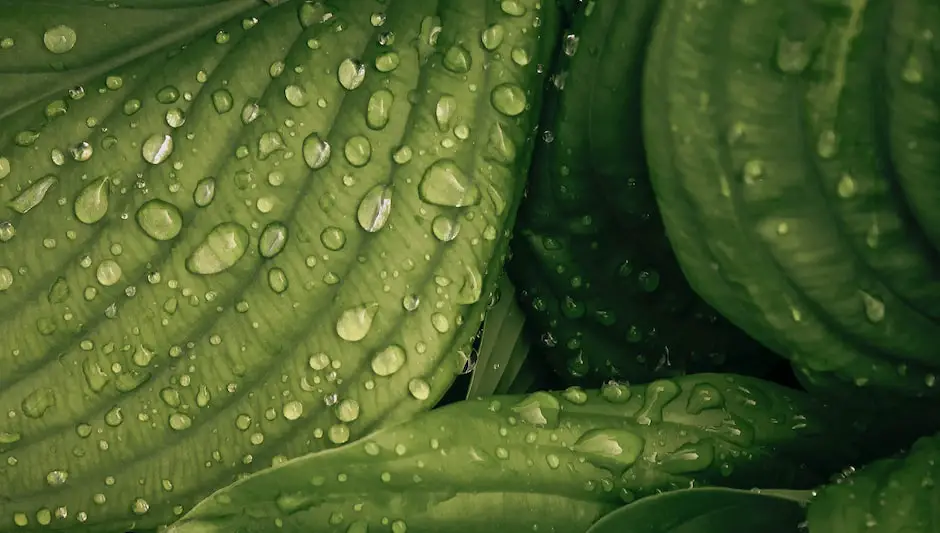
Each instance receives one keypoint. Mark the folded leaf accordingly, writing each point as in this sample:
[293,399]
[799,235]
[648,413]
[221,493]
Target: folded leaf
[543,462]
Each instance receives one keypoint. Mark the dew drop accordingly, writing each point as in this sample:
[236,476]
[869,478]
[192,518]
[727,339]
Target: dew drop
[389,360]
[160,220]
[375,208]
[157,148]
[445,184]
[354,323]
[224,245]
[91,204]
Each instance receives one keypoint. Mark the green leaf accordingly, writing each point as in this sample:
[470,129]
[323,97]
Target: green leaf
[709,510]
[504,348]
[543,462]
[893,495]
[48,46]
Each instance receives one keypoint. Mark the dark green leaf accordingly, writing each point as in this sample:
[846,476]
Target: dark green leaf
[544,462]
[709,510]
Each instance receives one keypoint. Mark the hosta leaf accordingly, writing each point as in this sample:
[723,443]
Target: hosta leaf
[270,239]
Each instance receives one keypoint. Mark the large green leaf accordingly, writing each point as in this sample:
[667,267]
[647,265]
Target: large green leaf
[268,239]
[543,462]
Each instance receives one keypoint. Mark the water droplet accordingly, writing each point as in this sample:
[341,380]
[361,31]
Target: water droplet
[221,249]
[513,8]
[387,62]
[388,361]
[160,220]
[354,323]
[293,410]
[175,118]
[419,389]
[375,208]
[268,143]
[6,278]
[847,186]
[91,205]
[493,36]
[108,272]
[222,101]
[180,421]
[277,280]
[689,458]
[316,151]
[168,95]
[539,409]
[33,195]
[347,410]
[296,95]
[615,392]
[509,99]
[445,184]
[704,396]
[444,228]
[59,39]
[351,73]
[273,239]
[358,150]
[204,192]
[378,110]
[658,394]
[874,307]
[36,403]
[457,59]
[444,111]
[4,167]
[472,287]
[157,148]
[611,449]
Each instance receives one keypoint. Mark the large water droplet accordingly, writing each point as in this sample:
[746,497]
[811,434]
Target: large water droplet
[224,245]
[157,148]
[612,449]
[354,323]
[457,59]
[351,73]
[59,39]
[160,220]
[445,184]
[375,208]
[539,409]
[444,111]
[91,205]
